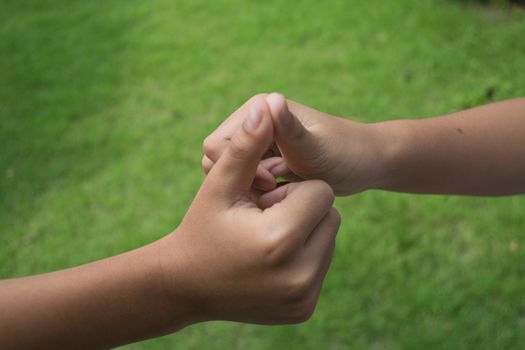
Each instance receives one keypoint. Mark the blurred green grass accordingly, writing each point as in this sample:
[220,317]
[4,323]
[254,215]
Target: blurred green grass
[104,105]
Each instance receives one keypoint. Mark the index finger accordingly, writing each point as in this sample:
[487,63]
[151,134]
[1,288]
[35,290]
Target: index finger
[215,144]
[296,209]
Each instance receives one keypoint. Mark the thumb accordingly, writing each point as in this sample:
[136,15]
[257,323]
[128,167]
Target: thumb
[296,143]
[235,170]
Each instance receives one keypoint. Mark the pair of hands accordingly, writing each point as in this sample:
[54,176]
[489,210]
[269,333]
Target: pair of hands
[261,256]
[255,256]
[249,250]
[308,144]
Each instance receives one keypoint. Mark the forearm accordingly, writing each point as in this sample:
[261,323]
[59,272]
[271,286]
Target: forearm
[99,305]
[480,151]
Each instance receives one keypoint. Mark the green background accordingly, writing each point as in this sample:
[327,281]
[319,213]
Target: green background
[104,106]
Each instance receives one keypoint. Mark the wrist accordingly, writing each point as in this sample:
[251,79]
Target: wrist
[175,276]
[367,154]
[153,295]
[392,139]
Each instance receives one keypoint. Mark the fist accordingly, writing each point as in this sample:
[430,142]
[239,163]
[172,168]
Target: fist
[244,256]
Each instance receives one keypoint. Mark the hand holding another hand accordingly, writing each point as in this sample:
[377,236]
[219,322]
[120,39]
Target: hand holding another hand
[240,257]
[307,144]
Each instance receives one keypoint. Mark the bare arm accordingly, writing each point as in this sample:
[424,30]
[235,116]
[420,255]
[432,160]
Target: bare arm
[237,255]
[480,151]
[99,305]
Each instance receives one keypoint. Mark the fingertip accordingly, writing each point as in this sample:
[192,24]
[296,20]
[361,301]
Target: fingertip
[280,170]
[268,199]
[336,217]
[253,120]
[279,109]
[326,191]
[264,180]
[276,102]
[318,189]
[276,166]
[237,166]
[258,120]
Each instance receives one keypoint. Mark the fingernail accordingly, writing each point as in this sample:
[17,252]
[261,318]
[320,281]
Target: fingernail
[277,104]
[253,120]
[279,170]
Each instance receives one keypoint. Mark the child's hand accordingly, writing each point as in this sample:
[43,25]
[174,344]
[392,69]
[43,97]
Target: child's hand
[259,261]
[308,145]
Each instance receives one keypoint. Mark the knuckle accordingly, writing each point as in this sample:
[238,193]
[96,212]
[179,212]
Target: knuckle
[238,149]
[299,286]
[279,242]
[274,248]
[208,146]
[269,250]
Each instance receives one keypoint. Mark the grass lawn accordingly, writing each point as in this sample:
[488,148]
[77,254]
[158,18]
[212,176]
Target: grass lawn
[104,106]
